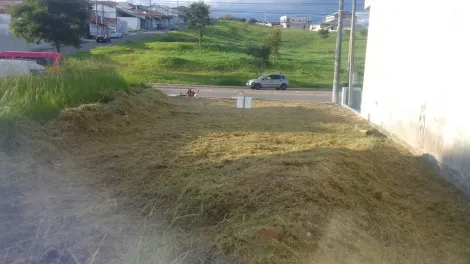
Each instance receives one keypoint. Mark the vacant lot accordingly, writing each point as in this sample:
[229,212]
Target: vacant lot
[175,58]
[283,183]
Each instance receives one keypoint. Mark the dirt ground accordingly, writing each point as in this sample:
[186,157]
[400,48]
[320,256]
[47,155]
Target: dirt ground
[53,210]
[146,179]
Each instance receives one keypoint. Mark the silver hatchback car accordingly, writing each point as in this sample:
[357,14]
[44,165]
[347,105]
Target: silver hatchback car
[278,81]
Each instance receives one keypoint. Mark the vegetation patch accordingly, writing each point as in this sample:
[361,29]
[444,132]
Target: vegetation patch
[305,57]
[41,97]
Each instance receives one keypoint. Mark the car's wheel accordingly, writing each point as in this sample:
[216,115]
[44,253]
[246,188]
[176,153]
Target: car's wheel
[97,41]
[283,86]
[257,86]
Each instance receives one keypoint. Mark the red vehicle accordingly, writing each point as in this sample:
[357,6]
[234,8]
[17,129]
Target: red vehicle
[46,59]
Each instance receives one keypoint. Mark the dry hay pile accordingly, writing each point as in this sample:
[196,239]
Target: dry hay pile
[288,183]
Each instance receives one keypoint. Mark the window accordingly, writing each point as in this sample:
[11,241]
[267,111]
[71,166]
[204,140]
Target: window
[275,77]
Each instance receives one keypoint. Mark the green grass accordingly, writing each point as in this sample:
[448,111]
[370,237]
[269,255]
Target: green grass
[41,97]
[306,59]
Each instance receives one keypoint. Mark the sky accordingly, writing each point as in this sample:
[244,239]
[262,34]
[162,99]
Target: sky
[274,9]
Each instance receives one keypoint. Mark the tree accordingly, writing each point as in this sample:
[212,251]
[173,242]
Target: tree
[260,56]
[365,32]
[52,21]
[197,16]
[226,17]
[274,42]
[324,33]
[252,21]
[181,10]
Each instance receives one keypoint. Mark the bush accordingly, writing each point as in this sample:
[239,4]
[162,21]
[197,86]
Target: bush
[365,32]
[274,42]
[252,21]
[324,33]
[226,17]
[260,54]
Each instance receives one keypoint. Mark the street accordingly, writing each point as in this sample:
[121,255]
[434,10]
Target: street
[91,44]
[301,95]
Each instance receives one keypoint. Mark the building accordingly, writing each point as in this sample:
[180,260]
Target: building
[334,17]
[126,17]
[294,22]
[331,22]
[318,27]
[272,24]
[415,81]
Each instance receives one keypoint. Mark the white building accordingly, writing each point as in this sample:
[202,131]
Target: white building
[331,21]
[294,22]
[416,81]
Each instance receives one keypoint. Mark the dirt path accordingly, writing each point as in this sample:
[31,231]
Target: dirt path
[53,211]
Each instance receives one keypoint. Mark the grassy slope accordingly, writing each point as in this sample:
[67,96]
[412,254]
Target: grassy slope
[175,58]
[44,96]
[267,188]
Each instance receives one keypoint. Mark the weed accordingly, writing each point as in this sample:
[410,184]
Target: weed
[42,97]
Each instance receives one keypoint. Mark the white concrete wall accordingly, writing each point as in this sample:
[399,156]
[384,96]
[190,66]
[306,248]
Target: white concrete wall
[133,23]
[415,81]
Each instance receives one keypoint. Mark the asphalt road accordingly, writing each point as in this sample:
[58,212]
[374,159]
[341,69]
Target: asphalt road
[300,95]
[91,44]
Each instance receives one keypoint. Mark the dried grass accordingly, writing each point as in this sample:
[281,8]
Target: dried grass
[288,183]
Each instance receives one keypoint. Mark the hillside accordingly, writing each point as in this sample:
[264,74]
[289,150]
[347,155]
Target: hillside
[306,59]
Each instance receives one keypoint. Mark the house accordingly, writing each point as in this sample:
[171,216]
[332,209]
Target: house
[148,17]
[331,21]
[416,83]
[169,15]
[126,17]
[272,24]
[294,22]
[334,17]
[318,27]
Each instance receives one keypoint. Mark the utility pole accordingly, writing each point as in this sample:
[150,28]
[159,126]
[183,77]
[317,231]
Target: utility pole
[352,47]
[339,39]
[96,17]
